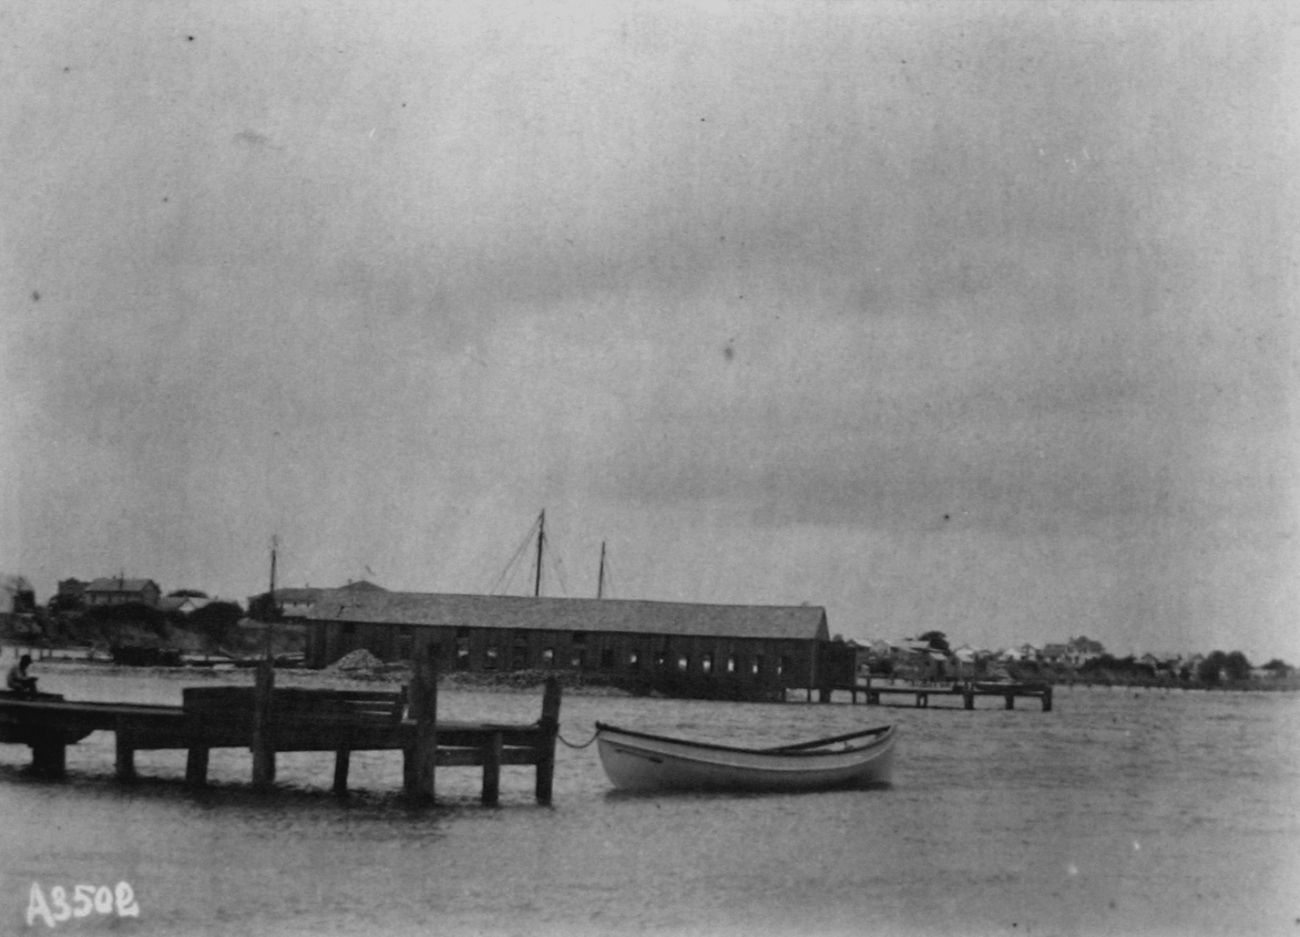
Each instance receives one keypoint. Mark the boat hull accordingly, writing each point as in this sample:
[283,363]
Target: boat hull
[639,762]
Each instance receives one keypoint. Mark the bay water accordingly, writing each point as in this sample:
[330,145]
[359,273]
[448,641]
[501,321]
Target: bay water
[1120,812]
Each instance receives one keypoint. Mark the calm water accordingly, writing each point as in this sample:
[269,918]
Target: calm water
[1118,813]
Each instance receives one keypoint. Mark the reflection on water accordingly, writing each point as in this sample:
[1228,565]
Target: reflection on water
[1160,812]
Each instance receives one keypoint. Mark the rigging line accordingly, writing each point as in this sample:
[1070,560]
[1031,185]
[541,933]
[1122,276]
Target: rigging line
[528,537]
[509,583]
[609,577]
[557,563]
[517,562]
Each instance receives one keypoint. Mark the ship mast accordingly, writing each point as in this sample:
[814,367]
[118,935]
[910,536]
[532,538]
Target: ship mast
[541,539]
[600,579]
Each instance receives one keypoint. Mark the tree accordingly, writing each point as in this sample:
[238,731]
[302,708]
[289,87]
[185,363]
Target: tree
[216,621]
[1210,669]
[263,608]
[1236,666]
[129,613]
[65,603]
[936,639]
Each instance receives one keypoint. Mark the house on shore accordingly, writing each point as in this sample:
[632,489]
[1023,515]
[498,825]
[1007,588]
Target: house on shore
[183,604]
[121,591]
[723,651]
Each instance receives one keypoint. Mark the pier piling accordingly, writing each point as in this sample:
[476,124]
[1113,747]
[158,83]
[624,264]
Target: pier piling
[124,768]
[196,766]
[422,758]
[49,758]
[342,759]
[550,726]
[263,726]
[492,769]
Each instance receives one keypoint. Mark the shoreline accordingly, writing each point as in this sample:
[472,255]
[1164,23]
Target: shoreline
[571,682]
[511,682]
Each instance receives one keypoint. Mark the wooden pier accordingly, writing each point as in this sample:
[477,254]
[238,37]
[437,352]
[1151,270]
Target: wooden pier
[267,720]
[968,692]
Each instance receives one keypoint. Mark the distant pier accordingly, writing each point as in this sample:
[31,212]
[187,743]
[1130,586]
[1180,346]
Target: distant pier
[873,693]
[267,720]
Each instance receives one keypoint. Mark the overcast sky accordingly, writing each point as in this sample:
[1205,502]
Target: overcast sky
[976,317]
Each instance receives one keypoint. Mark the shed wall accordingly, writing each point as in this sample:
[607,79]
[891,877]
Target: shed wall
[702,662]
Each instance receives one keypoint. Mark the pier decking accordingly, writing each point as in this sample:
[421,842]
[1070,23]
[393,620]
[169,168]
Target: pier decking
[266,721]
[873,693]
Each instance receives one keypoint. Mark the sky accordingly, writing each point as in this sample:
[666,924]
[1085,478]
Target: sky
[976,318]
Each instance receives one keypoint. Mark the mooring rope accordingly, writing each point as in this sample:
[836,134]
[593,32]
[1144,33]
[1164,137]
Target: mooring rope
[583,745]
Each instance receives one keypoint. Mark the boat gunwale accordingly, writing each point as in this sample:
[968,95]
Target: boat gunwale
[882,733]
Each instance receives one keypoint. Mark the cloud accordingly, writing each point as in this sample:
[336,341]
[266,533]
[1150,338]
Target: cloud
[820,275]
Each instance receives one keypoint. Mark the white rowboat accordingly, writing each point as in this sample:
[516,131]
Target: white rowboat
[637,761]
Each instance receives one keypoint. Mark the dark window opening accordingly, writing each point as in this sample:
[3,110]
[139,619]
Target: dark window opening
[782,665]
[579,637]
[607,659]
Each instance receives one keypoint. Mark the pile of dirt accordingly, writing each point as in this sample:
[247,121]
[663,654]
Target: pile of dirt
[358,662]
[361,664]
[570,680]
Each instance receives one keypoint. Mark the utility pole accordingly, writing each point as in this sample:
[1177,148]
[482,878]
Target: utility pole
[271,609]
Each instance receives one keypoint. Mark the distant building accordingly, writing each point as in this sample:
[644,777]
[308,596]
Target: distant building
[1055,653]
[122,591]
[297,602]
[964,659]
[733,651]
[22,598]
[1080,650]
[72,590]
[182,604]
[881,650]
[1156,663]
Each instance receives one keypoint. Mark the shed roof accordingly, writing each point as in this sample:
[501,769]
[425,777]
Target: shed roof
[800,622]
[363,585]
[114,584]
[297,595]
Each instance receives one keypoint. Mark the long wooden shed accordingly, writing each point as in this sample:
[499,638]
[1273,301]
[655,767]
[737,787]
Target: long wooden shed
[730,651]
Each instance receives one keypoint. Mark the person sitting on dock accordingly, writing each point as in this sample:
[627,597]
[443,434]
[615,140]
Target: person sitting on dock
[19,681]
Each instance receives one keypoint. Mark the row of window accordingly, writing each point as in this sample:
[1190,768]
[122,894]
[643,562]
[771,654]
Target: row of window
[519,659]
[577,659]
